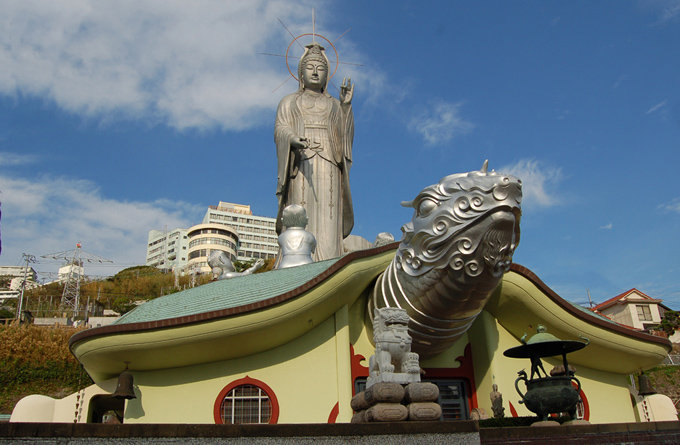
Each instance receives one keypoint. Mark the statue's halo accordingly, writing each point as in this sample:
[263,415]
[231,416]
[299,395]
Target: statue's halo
[337,57]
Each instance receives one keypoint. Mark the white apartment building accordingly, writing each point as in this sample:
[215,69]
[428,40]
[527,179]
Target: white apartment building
[206,238]
[255,237]
[167,249]
[257,234]
[15,276]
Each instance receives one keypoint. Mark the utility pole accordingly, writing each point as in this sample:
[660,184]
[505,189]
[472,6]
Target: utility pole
[70,298]
[29,259]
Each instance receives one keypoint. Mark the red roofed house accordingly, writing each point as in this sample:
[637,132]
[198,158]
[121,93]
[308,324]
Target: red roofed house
[633,308]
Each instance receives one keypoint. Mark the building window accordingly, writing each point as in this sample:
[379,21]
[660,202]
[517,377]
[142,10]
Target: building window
[452,398]
[643,312]
[246,401]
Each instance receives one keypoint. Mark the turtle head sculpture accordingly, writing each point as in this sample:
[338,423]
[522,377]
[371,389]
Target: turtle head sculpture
[453,253]
[467,220]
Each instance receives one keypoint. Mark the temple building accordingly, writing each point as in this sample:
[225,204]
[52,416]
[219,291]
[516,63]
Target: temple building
[292,346]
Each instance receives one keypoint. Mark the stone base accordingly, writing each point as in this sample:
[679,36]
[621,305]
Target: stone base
[386,412]
[392,402]
[576,422]
[359,402]
[422,392]
[546,423]
[384,392]
[423,411]
[359,417]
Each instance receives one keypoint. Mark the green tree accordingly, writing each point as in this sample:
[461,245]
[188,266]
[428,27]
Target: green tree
[122,305]
[670,322]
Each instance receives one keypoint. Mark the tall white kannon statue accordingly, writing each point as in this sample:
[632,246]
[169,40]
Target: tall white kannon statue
[313,135]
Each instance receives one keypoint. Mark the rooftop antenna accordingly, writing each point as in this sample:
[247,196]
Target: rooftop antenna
[70,298]
[590,301]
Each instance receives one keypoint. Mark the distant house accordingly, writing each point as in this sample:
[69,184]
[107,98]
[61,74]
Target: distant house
[635,309]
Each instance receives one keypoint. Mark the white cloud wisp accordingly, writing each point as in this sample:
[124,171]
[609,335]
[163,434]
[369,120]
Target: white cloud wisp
[537,182]
[440,123]
[53,214]
[185,64]
[672,206]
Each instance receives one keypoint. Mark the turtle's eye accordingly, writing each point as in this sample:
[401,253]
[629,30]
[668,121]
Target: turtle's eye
[426,206]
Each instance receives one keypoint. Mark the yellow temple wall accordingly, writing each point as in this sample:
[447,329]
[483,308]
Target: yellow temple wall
[303,375]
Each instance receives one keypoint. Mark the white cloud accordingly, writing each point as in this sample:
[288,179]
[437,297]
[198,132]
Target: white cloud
[607,226]
[7,159]
[537,182]
[656,107]
[619,81]
[184,63]
[670,10]
[440,123]
[671,206]
[51,214]
[666,11]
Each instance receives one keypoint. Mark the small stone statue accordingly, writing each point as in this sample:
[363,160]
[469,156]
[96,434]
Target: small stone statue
[383,238]
[497,402]
[297,245]
[223,268]
[393,361]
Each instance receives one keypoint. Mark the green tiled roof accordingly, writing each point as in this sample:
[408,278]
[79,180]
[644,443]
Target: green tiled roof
[225,294]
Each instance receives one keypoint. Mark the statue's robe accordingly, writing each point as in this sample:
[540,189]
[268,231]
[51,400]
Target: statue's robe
[317,177]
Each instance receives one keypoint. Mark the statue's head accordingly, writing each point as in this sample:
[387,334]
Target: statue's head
[294,215]
[219,263]
[313,68]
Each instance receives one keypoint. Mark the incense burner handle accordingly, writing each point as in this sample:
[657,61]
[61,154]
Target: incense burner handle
[522,377]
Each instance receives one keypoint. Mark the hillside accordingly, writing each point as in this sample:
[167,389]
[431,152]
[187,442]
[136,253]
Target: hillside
[119,292]
[666,380]
[36,360]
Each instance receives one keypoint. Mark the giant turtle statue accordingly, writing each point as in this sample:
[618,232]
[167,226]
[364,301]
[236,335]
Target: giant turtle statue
[454,251]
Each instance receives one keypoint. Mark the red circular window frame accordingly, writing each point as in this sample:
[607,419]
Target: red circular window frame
[247,381]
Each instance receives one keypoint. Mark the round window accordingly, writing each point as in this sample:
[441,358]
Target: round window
[246,401]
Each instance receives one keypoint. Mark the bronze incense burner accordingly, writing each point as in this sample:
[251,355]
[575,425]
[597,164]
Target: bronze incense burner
[547,394]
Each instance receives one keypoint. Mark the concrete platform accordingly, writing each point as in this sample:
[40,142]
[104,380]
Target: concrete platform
[404,433]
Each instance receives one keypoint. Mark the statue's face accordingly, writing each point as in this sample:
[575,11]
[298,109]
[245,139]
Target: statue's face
[314,75]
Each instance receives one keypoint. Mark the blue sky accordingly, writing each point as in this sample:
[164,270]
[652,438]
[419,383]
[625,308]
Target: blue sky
[117,117]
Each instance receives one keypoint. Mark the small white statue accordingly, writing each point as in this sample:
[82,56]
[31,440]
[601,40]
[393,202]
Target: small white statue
[297,245]
[393,361]
[383,238]
[223,268]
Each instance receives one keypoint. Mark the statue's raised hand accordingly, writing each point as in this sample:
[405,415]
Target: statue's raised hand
[346,91]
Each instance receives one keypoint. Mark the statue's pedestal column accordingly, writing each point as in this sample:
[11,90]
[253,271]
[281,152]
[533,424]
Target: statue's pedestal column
[393,402]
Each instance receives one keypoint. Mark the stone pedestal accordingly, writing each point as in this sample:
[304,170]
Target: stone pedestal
[393,402]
